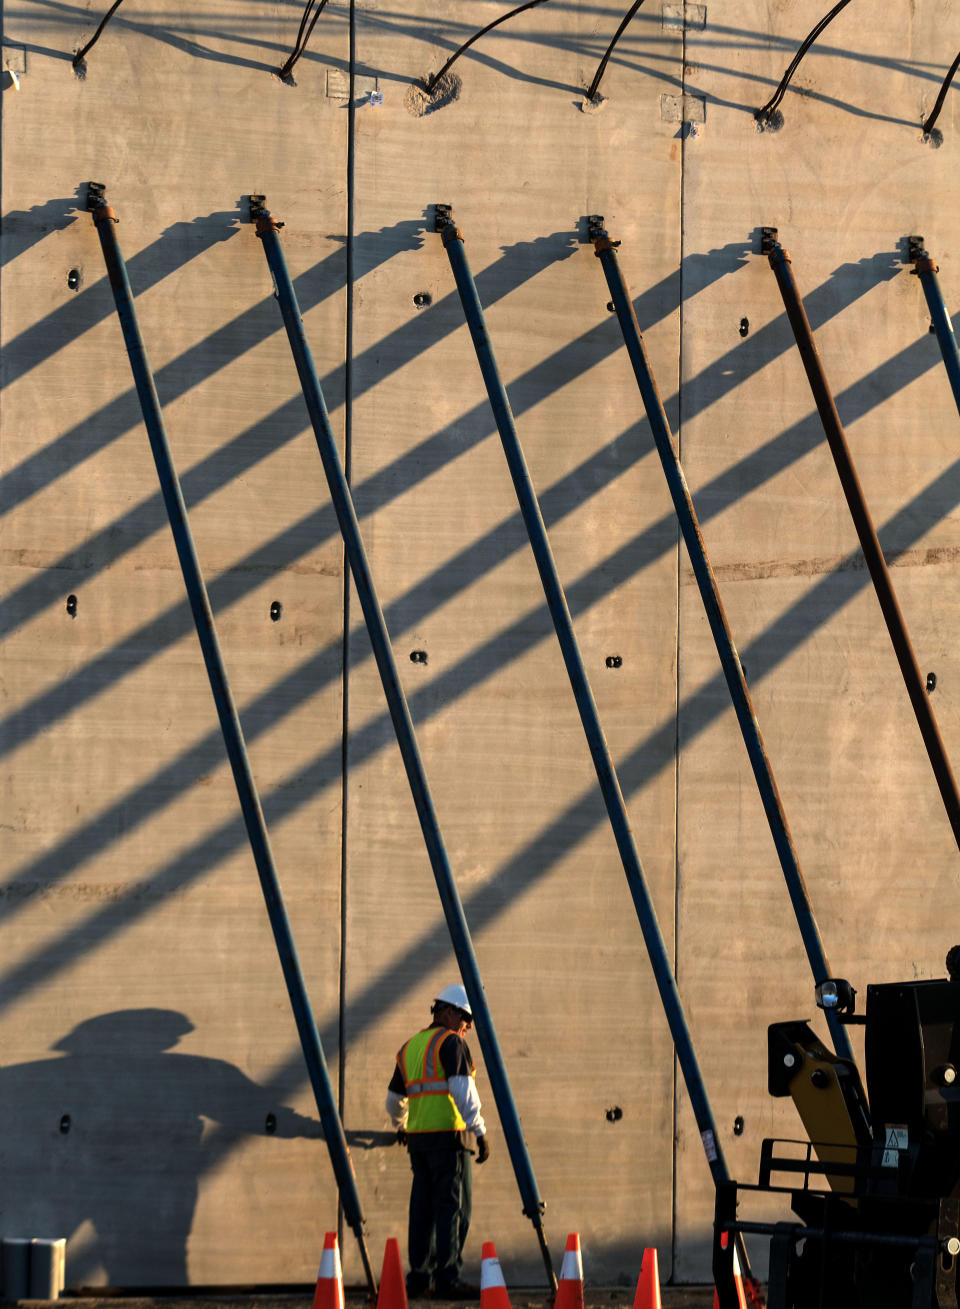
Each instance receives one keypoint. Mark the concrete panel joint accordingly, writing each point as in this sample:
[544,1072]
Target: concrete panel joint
[683,109]
[683,15]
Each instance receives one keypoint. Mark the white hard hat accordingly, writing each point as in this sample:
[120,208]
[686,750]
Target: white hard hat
[457,996]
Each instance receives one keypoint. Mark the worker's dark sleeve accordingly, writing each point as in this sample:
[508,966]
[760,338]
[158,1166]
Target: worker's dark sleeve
[455,1057]
[397,1083]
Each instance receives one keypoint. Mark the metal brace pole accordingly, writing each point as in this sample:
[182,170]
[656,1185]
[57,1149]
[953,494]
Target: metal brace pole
[268,231]
[105,219]
[606,774]
[710,595]
[866,532]
[927,270]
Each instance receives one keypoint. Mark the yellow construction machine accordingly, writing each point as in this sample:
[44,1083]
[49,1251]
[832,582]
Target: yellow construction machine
[875,1186]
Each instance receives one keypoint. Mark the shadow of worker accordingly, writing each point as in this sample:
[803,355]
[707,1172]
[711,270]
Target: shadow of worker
[106,1144]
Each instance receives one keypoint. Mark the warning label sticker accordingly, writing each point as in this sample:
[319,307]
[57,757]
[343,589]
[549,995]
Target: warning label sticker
[896,1137]
[709,1146]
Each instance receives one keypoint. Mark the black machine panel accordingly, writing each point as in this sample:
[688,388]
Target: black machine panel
[912,1061]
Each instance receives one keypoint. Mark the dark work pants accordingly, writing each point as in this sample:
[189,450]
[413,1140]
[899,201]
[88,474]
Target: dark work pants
[440,1205]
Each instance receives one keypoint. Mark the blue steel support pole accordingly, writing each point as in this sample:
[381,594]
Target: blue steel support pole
[913,679]
[533,1206]
[602,761]
[104,218]
[927,271]
[710,595]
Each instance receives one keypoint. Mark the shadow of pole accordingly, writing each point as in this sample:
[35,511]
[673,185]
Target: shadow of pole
[764,653]
[23,228]
[216,470]
[389,991]
[255,325]
[147,517]
[434,590]
[528,866]
[172,251]
[210,474]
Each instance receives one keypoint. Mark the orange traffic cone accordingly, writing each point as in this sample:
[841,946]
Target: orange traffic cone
[329,1292]
[737,1276]
[393,1288]
[570,1288]
[493,1289]
[648,1283]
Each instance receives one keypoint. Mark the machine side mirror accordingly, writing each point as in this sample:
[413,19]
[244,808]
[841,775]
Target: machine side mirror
[836,994]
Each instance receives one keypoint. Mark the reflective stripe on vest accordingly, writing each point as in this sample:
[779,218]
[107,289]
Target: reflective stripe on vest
[431,1107]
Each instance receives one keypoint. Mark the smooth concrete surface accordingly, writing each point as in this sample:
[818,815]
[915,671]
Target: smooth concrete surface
[157,1111]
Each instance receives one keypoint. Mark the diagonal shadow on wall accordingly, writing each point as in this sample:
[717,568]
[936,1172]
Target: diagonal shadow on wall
[185,42]
[764,653]
[527,866]
[527,390]
[437,587]
[23,228]
[250,328]
[178,245]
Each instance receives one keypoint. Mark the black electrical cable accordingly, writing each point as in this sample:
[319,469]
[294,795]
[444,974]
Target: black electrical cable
[303,36]
[78,57]
[935,113]
[476,37]
[303,24]
[766,110]
[603,62]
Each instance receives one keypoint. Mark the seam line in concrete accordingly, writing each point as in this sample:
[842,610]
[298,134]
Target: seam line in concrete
[345,649]
[678,562]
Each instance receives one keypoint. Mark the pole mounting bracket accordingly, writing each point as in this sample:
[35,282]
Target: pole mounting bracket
[96,195]
[917,255]
[595,227]
[768,239]
[260,215]
[442,217]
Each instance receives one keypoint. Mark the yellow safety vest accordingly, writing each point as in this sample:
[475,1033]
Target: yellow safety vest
[431,1107]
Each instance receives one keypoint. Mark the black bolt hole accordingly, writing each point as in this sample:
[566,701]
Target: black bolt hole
[738,1125]
[276,609]
[744,326]
[72,606]
[615,1114]
[422,299]
[614,661]
[74,278]
[418,656]
[270,1125]
[931,681]
[611,307]
[65,1124]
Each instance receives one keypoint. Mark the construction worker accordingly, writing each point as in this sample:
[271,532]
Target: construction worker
[433,1103]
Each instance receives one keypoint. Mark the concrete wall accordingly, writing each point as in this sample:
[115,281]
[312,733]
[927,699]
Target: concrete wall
[146,1034]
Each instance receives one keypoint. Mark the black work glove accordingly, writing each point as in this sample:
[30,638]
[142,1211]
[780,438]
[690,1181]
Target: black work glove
[401,1136]
[483,1150]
